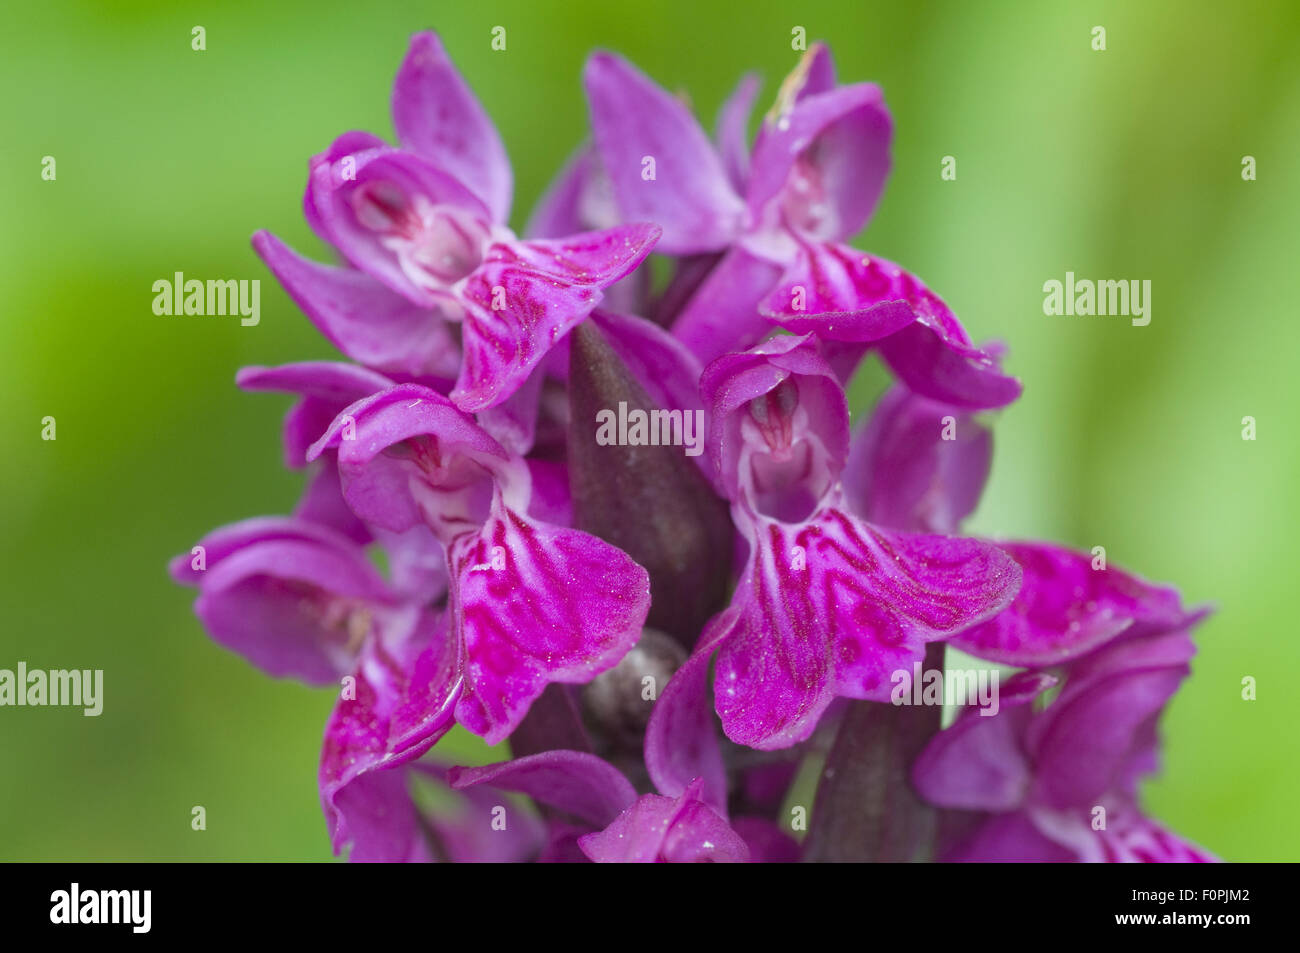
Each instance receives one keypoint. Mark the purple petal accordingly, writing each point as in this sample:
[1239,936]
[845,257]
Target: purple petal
[767,843]
[1128,837]
[824,162]
[376,815]
[832,607]
[1084,742]
[932,355]
[437,116]
[226,540]
[575,782]
[377,480]
[1066,609]
[326,387]
[689,196]
[657,829]
[1139,839]
[348,146]
[834,291]
[401,705]
[323,503]
[535,604]
[289,596]
[1009,839]
[978,762]
[403,221]
[578,200]
[681,741]
[562,845]
[335,382]
[731,133]
[903,472]
[365,320]
[723,313]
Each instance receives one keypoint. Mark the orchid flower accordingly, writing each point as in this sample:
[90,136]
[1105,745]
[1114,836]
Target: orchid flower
[779,218]
[423,231]
[530,603]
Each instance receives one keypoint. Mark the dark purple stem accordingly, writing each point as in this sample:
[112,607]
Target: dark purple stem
[866,808]
[651,502]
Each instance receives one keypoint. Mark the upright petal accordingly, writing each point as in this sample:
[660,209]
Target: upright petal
[779,423]
[820,168]
[918,465]
[409,436]
[403,221]
[731,133]
[349,147]
[688,193]
[437,116]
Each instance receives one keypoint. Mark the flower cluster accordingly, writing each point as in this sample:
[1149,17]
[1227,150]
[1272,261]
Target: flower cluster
[662,638]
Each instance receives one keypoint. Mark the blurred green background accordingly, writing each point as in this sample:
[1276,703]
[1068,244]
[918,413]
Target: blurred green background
[1117,164]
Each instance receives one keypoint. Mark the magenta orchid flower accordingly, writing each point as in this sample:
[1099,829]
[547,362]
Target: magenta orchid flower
[423,229]
[530,603]
[828,605]
[1060,782]
[779,217]
[1050,783]
[295,598]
